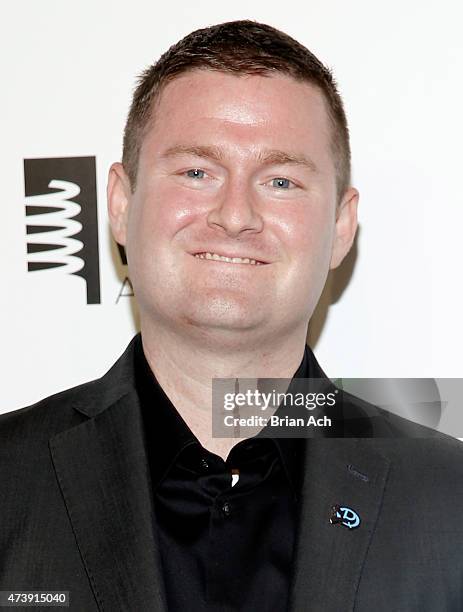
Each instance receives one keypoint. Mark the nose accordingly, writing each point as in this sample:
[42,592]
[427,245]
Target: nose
[235,211]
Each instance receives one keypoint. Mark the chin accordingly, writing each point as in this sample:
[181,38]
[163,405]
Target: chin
[225,314]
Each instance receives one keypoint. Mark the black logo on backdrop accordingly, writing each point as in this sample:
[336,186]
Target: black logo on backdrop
[61,218]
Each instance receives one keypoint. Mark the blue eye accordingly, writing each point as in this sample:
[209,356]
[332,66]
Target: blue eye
[281,183]
[195,173]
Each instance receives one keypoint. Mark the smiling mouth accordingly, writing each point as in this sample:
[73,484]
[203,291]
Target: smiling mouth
[232,260]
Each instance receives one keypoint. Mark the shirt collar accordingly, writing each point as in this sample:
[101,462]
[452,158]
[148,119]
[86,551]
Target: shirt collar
[167,434]
[291,450]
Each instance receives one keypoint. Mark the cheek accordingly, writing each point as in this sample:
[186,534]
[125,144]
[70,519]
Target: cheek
[307,232]
[160,213]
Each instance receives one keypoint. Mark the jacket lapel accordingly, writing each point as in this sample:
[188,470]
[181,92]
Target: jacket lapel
[102,469]
[329,557]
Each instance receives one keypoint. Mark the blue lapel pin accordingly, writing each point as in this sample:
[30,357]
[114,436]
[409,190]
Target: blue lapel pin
[342,515]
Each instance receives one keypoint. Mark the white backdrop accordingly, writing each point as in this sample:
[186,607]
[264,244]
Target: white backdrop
[68,70]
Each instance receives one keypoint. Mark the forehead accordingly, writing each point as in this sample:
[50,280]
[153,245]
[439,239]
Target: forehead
[250,110]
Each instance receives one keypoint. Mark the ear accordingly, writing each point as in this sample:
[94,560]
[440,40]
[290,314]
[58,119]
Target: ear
[346,226]
[118,193]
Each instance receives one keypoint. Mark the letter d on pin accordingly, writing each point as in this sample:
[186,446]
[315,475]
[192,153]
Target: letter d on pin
[344,516]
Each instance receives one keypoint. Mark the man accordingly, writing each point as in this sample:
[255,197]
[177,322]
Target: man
[233,201]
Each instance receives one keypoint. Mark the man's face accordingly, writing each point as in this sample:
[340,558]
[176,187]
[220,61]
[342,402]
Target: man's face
[235,167]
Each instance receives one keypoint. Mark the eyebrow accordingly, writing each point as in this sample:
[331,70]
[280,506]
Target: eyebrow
[267,156]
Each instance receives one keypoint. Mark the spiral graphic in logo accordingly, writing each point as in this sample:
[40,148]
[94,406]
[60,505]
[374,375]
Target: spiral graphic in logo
[61,218]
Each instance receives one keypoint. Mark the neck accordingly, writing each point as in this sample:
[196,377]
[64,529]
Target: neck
[185,367]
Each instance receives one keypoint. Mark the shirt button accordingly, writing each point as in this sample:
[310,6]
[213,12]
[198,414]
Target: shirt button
[226,509]
[204,464]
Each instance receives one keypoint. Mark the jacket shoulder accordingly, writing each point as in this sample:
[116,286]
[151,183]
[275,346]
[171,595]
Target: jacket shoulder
[70,407]
[46,417]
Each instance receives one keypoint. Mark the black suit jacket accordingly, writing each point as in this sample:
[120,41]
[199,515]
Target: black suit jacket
[76,509]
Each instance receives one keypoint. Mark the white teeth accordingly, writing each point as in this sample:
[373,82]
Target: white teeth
[216,257]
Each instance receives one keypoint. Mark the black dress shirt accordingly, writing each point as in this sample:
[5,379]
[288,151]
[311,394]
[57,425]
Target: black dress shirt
[223,548]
